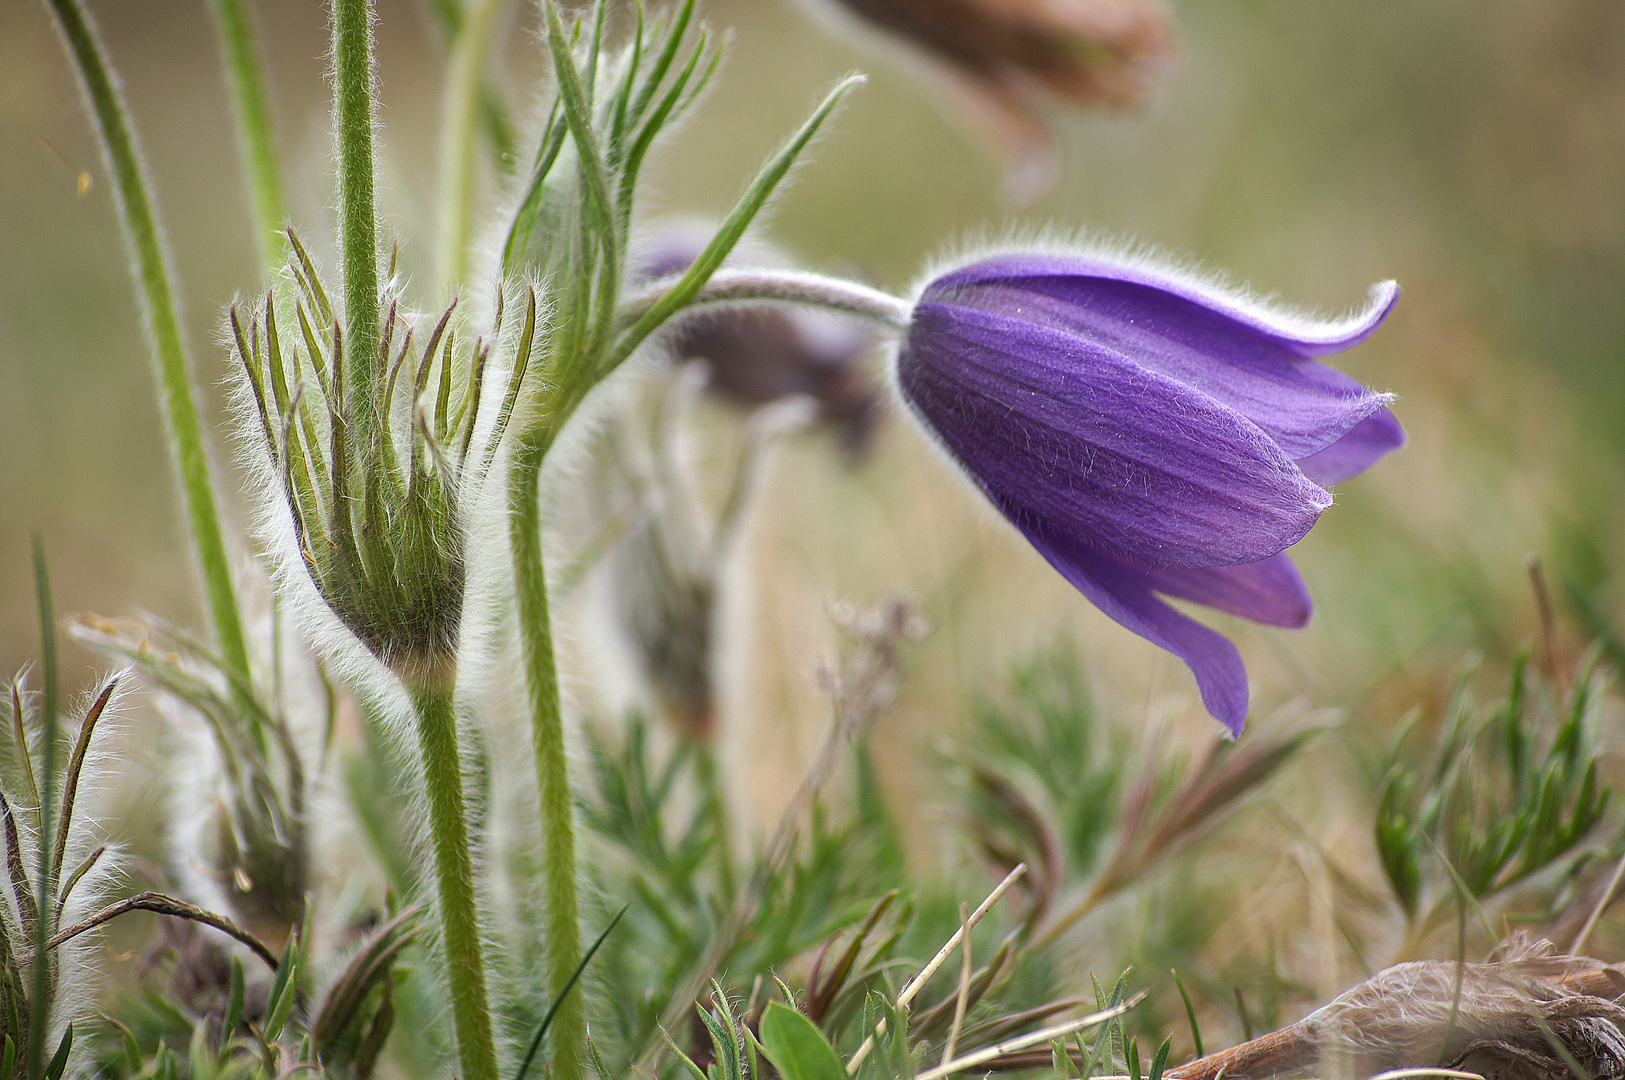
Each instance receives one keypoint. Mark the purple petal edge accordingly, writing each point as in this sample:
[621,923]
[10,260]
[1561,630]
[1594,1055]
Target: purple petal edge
[1125,598]
[1356,451]
[1270,591]
[1306,337]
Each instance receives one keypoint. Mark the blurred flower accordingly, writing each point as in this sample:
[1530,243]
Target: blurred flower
[760,354]
[1148,434]
[669,559]
[995,59]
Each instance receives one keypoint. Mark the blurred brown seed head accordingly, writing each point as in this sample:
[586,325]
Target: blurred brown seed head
[996,60]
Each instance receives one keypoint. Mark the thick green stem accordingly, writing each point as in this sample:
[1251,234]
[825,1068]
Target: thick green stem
[465,78]
[163,323]
[358,217]
[454,873]
[569,1030]
[245,74]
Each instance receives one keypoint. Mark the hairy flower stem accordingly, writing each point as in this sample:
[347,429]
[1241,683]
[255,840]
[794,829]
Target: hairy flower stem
[728,286]
[358,218]
[246,78]
[174,374]
[569,1031]
[454,870]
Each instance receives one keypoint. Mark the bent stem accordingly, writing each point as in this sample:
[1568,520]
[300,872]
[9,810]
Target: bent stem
[730,286]
[569,1031]
[152,274]
[436,713]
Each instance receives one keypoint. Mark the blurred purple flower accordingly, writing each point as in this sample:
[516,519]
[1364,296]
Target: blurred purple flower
[757,355]
[1148,435]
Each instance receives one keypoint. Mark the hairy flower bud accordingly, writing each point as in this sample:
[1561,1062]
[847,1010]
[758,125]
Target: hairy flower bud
[374,489]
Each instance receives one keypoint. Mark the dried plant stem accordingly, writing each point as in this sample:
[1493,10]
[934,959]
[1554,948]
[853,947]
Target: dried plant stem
[1276,1052]
[163,323]
[358,218]
[160,904]
[454,871]
[465,79]
[1609,894]
[960,999]
[916,984]
[1022,1042]
[569,1030]
[245,77]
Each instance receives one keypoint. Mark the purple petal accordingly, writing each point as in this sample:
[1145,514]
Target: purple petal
[1304,406]
[1268,591]
[1091,445]
[1304,337]
[1355,452]
[1128,601]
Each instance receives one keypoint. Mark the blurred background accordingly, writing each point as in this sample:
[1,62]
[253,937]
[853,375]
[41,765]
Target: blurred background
[1474,150]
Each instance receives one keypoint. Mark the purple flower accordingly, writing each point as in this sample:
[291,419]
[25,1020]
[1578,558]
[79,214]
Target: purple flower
[1151,436]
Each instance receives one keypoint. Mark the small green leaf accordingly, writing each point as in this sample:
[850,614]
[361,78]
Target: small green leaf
[1190,1014]
[234,1005]
[1160,1060]
[795,1046]
[59,1060]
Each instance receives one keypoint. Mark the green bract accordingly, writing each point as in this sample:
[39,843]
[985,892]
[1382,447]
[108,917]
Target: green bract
[375,508]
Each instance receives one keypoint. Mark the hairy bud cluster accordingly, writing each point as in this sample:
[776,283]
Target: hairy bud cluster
[372,470]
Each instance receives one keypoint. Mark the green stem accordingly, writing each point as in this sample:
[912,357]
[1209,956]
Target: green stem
[358,218]
[711,790]
[454,871]
[163,323]
[245,73]
[465,77]
[493,113]
[569,1032]
[39,999]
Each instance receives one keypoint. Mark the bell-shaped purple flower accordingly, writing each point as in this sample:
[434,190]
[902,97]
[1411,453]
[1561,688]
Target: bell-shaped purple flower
[1151,436]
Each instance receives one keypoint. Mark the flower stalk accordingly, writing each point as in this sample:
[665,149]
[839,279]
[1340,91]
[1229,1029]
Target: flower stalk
[378,514]
[436,714]
[563,928]
[185,431]
[358,217]
[245,77]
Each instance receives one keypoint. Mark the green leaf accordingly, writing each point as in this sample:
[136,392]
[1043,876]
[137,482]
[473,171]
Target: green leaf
[795,1046]
[59,1060]
[738,220]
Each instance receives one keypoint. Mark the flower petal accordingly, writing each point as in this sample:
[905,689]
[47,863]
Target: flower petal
[1303,336]
[1268,591]
[1127,599]
[1304,406]
[1355,452]
[1129,461]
